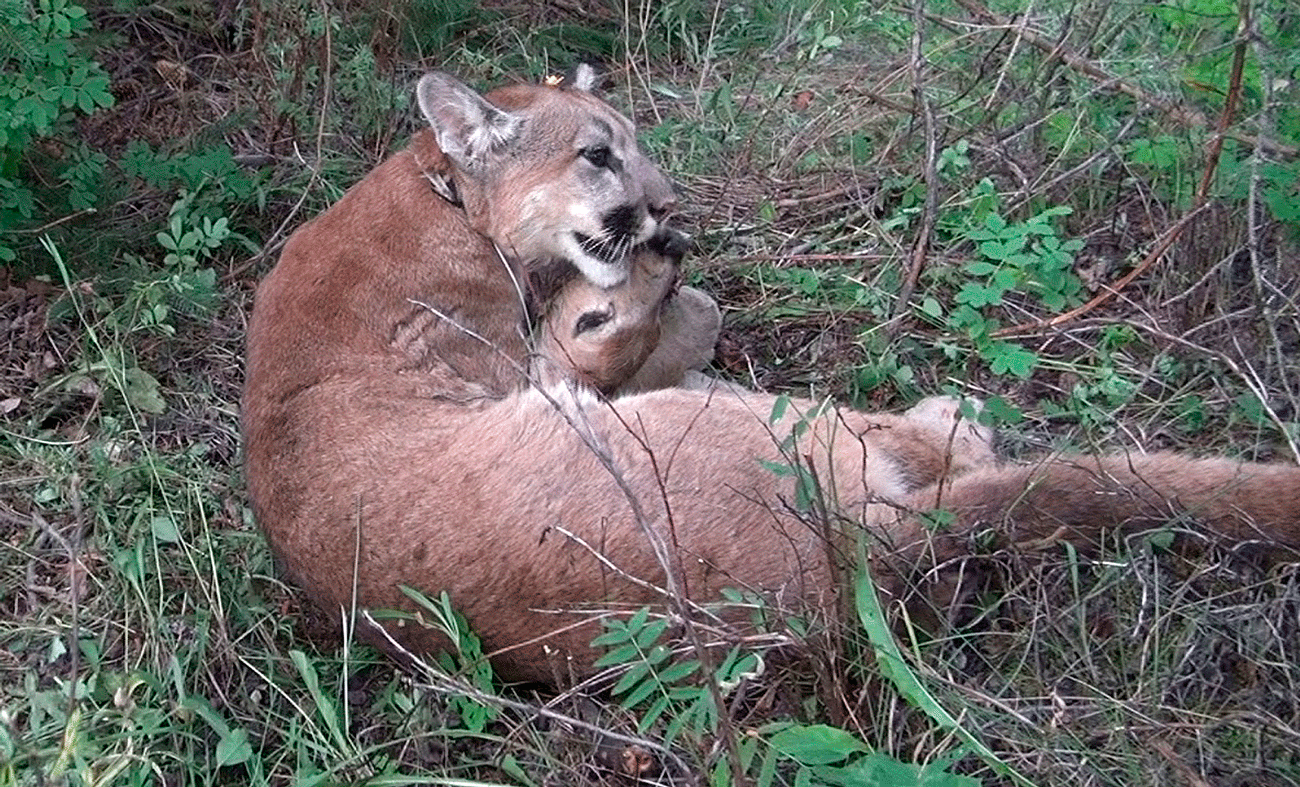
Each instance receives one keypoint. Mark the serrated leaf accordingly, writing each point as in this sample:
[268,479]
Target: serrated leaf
[1004,280]
[1007,358]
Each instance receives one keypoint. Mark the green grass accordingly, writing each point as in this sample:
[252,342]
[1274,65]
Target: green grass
[146,639]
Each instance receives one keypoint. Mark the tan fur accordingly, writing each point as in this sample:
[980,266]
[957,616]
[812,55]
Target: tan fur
[653,332]
[371,424]
[521,161]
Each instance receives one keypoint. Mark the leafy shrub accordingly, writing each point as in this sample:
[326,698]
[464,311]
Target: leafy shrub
[45,81]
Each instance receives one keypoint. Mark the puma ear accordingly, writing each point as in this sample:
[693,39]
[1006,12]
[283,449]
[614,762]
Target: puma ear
[582,76]
[468,128]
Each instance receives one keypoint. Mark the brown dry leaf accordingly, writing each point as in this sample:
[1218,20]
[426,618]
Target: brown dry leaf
[636,760]
[174,74]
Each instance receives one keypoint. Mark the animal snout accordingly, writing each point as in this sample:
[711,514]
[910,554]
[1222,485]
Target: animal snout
[662,209]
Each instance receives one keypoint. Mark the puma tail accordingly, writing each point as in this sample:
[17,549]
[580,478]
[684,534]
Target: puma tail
[1078,498]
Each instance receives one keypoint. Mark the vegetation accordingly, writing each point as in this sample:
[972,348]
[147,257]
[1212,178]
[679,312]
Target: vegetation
[1087,213]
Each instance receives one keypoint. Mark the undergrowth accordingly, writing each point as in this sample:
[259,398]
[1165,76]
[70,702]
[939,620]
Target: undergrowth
[1086,214]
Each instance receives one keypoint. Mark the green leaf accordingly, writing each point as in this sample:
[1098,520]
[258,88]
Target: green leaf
[650,632]
[977,295]
[895,669]
[635,674]
[326,707]
[881,770]
[777,468]
[816,744]
[1004,280]
[164,529]
[679,671]
[778,409]
[1008,358]
[234,748]
[141,391]
[639,694]
[612,636]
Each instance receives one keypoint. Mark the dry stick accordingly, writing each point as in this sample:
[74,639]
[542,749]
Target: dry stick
[1184,115]
[76,580]
[1230,102]
[920,100]
[1267,297]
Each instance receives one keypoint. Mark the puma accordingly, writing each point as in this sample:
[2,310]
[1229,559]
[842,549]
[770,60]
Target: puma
[391,438]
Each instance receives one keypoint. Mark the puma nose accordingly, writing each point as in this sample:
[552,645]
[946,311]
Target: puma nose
[661,210]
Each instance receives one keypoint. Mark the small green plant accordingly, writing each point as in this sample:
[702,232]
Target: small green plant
[670,686]
[1025,258]
[45,81]
[467,661]
[831,757]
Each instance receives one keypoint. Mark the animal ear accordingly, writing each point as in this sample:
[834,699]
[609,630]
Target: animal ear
[583,76]
[468,128]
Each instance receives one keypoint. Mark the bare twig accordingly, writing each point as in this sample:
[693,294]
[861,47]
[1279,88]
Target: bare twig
[1230,101]
[919,100]
[1268,295]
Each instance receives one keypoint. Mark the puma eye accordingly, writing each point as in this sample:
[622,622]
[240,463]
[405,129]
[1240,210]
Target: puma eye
[590,321]
[598,155]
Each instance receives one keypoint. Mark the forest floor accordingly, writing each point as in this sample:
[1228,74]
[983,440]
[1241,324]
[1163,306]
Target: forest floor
[1026,208]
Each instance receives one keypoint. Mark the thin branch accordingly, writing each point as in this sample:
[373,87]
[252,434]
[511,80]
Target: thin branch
[922,245]
[1230,102]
